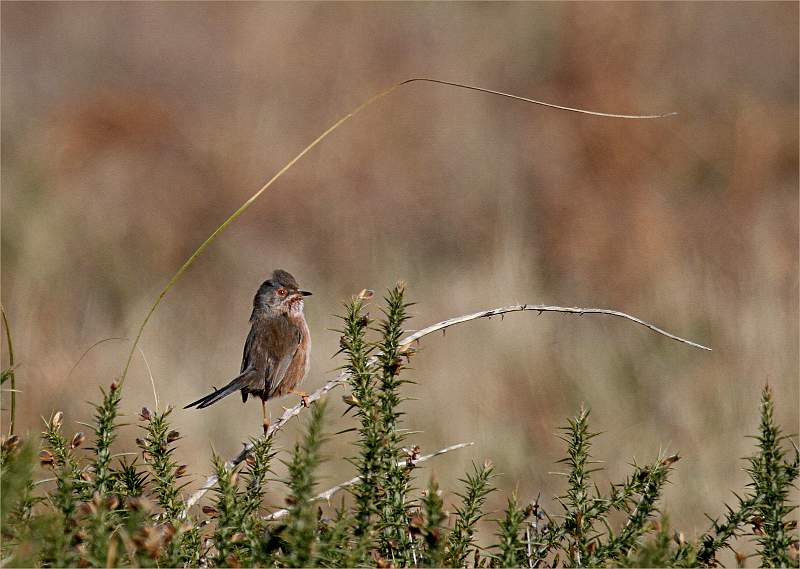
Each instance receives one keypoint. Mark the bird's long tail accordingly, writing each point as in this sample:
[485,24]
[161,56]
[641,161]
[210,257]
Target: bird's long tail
[236,384]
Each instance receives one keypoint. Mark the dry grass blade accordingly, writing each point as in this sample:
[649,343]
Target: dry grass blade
[190,261]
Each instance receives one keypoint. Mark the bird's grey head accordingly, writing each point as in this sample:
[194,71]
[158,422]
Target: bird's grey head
[280,293]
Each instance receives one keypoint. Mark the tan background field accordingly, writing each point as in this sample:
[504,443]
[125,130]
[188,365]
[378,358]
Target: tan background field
[131,131]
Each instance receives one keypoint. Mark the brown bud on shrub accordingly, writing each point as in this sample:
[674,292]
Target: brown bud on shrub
[11,443]
[77,440]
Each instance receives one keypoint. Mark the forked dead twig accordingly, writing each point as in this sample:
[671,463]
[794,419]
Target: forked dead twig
[407,341]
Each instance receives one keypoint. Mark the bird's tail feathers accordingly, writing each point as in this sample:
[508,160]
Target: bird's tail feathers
[236,384]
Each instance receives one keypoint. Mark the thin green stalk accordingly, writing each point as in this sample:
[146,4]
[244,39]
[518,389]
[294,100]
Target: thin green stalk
[11,373]
[190,261]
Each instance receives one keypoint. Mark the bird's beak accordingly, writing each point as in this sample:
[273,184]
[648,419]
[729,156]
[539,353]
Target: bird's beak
[304,292]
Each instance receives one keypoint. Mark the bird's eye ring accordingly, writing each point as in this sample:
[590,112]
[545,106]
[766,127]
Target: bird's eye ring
[282,291]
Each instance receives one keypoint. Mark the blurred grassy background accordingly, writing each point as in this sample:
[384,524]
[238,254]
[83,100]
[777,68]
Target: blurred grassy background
[131,130]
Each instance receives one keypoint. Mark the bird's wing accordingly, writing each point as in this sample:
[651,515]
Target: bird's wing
[247,358]
[285,344]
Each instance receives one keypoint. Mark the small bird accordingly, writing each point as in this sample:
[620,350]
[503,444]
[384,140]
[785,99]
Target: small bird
[277,351]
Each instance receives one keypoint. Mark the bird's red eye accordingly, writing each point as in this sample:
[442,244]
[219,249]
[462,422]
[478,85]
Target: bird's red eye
[282,291]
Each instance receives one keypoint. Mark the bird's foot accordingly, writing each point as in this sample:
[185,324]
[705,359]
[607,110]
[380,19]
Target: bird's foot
[265,424]
[303,397]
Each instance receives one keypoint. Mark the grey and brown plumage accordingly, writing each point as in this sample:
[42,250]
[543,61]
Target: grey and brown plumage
[276,354]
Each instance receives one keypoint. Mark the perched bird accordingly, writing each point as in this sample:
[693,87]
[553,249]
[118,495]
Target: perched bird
[276,352]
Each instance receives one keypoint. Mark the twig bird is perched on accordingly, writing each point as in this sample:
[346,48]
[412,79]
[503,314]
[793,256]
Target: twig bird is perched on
[277,351]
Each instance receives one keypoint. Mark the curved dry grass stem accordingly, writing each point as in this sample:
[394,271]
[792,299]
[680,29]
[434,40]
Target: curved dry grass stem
[152,379]
[12,374]
[341,378]
[118,339]
[542,103]
[331,492]
[188,263]
[86,353]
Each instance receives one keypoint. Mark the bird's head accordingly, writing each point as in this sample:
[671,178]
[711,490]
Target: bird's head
[280,293]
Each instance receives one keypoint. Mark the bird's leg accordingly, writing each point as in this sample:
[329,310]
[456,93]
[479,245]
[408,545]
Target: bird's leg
[265,422]
[303,396]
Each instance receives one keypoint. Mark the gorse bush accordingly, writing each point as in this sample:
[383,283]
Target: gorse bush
[93,509]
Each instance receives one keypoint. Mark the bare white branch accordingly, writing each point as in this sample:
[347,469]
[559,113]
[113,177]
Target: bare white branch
[341,378]
[330,492]
[545,308]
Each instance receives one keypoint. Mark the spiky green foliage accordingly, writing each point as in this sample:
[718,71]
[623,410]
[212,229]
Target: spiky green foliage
[579,516]
[511,548]
[584,536]
[64,465]
[392,500]
[227,514]
[357,351]
[257,468]
[772,476]
[302,524]
[764,510]
[70,487]
[659,550]
[469,513]
[129,479]
[16,484]
[336,546]
[105,431]
[431,531]
[254,479]
[158,448]
[91,512]
[650,483]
